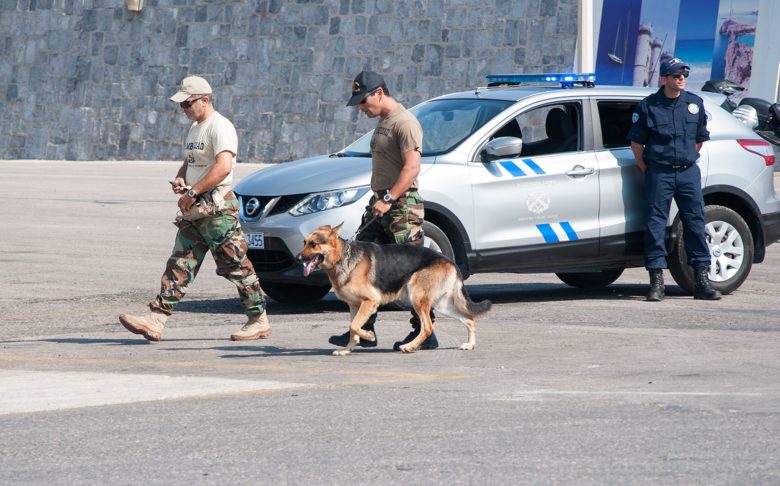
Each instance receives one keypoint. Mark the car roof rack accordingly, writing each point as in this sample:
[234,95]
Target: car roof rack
[566,80]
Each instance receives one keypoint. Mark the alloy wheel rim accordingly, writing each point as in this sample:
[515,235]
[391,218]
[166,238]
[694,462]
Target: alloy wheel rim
[727,250]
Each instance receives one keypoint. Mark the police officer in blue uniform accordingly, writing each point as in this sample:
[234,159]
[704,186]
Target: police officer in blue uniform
[668,130]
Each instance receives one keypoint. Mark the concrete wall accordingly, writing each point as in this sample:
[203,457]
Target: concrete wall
[87,79]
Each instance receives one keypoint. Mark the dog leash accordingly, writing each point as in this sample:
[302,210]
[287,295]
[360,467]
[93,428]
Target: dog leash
[362,228]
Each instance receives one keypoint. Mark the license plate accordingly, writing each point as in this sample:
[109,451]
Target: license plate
[255,241]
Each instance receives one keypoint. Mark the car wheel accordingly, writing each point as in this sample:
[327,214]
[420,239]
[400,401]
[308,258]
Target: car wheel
[590,280]
[731,251]
[436,240]
[287,293]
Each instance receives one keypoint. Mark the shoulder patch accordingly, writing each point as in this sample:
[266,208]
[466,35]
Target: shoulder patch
[635,118]
[693,108]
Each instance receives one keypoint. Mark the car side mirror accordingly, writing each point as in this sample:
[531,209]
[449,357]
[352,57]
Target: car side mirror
[501,148]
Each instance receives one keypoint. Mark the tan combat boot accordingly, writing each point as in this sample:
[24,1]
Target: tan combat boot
[150,325]
[256,327]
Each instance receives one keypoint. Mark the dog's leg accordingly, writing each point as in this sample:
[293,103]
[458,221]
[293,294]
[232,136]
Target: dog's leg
[359,316]
[457,302]
[423,309]
[471,325]
[353,310]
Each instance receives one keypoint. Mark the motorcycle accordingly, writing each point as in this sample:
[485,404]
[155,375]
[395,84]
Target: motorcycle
[760,115]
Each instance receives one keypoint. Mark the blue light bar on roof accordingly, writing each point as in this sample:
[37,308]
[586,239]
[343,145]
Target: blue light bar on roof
[566,79]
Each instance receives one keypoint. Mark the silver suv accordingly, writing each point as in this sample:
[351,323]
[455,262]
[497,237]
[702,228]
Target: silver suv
[524,179]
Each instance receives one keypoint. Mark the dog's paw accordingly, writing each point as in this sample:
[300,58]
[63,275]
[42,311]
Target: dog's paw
[467,346]
[341,352]
[407,349]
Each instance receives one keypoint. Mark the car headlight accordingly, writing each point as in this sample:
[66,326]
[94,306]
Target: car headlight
[321,201]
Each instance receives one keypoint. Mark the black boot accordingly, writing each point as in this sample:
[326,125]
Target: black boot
[704,288]
[657,292]
[430,343]
[343,339]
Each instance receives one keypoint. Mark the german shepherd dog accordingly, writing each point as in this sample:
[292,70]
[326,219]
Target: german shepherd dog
[366,275]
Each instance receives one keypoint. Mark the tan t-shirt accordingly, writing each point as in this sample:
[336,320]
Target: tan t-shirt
[205,140]
[397,133]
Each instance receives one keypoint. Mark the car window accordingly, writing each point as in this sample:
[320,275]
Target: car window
[615,121]
[549,129]
[360,147]
[445,124]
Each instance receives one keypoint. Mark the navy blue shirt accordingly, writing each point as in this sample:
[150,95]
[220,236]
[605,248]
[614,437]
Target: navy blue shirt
[670,129]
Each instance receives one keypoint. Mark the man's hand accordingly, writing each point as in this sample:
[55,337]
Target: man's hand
[186,202]
[178,185]
[380,208]
[639,152]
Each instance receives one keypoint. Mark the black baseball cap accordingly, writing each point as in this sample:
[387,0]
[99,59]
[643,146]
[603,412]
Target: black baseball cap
[365,83]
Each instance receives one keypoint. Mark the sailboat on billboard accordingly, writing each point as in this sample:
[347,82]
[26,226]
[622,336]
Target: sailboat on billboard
[613,56]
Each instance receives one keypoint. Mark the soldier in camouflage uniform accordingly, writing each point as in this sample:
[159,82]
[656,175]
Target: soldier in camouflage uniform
[396,149]
[208,221]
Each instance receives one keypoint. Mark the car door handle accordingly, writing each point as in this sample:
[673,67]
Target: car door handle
[579,170]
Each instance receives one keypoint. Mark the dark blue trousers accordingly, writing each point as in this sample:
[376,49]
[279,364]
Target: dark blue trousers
[662,184]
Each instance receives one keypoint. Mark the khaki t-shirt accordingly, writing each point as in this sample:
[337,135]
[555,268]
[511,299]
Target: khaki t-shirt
[397,133]
[205,140]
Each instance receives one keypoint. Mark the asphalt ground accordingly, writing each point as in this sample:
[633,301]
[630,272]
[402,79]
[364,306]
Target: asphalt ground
[565,386]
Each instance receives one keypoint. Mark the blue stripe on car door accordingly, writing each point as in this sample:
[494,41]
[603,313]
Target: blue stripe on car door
[512,168]
[569,231]
[548,233]
[530,163]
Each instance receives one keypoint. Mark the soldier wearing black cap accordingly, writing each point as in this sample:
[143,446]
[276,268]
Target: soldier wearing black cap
[668,130]
[396,149]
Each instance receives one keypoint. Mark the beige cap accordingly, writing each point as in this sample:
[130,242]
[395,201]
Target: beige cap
[191,85]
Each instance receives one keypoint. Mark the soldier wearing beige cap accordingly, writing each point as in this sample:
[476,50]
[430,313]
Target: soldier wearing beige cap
[208,219]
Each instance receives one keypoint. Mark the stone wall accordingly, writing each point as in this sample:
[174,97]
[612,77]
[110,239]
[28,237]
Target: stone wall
[87,79]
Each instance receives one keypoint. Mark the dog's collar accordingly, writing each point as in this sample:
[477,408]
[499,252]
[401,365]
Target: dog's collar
[346,251]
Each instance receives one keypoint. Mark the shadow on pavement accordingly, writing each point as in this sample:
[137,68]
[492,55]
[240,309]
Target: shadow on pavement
[497,293]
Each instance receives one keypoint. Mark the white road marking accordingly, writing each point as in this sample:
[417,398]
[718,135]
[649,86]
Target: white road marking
[39,391]
[520,395]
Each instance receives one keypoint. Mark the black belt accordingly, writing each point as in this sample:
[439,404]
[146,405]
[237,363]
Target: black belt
[670,166]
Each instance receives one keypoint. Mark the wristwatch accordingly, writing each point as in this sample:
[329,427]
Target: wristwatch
[192,193]
[388,198]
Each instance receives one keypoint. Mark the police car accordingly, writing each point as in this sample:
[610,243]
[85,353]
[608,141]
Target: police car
[525,178]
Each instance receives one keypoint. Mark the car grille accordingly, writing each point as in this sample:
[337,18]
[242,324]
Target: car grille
[269,261]
[284,204]
[275,258]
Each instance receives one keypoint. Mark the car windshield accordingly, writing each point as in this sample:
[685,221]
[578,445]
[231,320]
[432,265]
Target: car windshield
[445,124]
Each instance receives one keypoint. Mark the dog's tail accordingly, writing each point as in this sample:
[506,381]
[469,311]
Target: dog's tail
[475,308]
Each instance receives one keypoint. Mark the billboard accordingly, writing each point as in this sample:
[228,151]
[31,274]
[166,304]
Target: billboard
[715,37]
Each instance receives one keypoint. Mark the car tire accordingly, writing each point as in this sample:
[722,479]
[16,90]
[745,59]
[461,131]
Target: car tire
[590,280]
[731,250]
[437,240]
[287,293]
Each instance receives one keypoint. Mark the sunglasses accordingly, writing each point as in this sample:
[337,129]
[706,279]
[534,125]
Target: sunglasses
[680,75]
[372,93]
[188,103]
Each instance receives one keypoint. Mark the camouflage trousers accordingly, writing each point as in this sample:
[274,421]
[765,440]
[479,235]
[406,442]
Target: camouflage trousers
[222,236]
[401,224]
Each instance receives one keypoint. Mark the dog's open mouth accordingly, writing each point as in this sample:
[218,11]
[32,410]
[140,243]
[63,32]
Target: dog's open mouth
[311,264]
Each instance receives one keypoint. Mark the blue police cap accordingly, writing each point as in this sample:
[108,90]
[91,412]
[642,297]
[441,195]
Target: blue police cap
[671,66]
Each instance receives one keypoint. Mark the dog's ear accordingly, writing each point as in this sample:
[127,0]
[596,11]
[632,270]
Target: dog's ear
[337,229]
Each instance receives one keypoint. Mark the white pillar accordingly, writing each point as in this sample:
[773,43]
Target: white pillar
[584,60]
[642,56]
[765,74]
